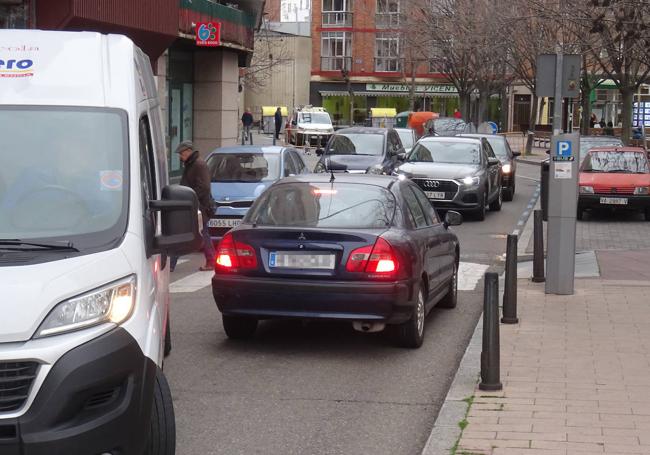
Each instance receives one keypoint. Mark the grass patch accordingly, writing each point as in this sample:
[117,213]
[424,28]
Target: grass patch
[462,424]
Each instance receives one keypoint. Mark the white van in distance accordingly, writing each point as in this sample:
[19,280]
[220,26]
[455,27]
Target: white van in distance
[87,221]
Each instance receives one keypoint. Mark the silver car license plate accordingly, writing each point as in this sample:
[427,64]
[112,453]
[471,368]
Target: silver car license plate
[613,200]
[224,222]
[306,260]
[435,194]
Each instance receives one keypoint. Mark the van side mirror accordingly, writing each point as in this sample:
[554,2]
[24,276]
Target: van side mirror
[179,209]
[453,218]
[401,156]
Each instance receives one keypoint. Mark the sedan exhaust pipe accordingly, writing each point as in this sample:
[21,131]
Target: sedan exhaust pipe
[368,327]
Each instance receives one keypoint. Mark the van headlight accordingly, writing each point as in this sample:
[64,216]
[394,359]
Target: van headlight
[112,303]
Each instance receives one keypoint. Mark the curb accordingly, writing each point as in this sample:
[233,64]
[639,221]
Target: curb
[446,431]
[533,162]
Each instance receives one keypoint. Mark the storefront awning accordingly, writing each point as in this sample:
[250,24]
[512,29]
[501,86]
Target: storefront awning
[390,94]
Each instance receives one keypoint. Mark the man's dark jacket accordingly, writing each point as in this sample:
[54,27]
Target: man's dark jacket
[196,175]
[278,121]
[247,119]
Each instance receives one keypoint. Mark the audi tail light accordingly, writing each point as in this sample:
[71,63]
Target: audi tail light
[379,259]
[232,255]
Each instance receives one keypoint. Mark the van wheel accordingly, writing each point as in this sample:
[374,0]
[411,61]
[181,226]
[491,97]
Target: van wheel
[168,338]
[162,429]
[239,328]
[451,298]
[410,334]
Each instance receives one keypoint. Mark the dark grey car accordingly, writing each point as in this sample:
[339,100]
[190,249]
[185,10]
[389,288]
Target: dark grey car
[507,156]
[456,173]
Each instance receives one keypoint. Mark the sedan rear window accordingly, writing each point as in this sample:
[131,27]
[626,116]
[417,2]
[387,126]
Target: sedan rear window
[328,205]
[356,144]
[244,167]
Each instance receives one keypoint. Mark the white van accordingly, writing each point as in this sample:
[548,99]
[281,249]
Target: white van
[87,221]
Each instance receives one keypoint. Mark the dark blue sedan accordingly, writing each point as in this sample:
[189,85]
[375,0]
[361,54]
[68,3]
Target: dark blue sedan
[240,174]
[363,248]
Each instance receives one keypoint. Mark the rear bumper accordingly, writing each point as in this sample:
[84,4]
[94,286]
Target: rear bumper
[96,399]
[389,302]
[591,201]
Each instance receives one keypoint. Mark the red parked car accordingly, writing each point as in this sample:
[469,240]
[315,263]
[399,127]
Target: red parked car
[615,178]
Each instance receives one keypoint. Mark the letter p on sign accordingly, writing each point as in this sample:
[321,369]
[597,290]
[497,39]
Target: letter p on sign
[563,149]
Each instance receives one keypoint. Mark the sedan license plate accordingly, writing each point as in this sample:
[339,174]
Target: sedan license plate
[223,222]
[307,260]
[613,200]
[435,194]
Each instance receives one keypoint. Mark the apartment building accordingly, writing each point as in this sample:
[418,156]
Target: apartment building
[359,46]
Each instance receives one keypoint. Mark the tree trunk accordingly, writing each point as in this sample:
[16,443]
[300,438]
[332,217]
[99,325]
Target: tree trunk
[586,111]
[464,98]
[505,110]
[412,88]
[628,99]
[483,99]
[533,112]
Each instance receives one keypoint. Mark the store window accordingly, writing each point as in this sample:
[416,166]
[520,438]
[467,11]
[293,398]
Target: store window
[337,13]
[336,51]
[387,52]
[387,14]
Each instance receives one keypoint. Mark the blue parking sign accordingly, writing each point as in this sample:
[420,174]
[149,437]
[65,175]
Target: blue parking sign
[563,149]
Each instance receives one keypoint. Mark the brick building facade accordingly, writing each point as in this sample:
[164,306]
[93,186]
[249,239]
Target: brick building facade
[365,38]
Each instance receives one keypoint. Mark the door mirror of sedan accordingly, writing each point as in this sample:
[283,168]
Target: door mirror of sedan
[453,218]
[516,153]
[319,152]
[493,161]
[401,156]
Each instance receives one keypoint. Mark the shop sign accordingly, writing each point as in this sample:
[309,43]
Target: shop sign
[429,88]
[208,34]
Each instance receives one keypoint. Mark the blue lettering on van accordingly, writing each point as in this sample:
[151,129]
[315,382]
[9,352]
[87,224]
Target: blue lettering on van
[16,64]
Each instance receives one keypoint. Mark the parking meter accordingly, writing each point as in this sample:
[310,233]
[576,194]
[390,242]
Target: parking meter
[562,210]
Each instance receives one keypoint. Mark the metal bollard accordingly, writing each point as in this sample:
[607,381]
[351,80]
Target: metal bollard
[490,355]
[510,287]
[538,248]
[545,170]
[274,139]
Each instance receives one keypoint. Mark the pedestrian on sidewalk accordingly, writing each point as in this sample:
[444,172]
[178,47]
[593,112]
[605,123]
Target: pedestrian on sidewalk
[247,123]
[278,122]
[196,175]
[457,114]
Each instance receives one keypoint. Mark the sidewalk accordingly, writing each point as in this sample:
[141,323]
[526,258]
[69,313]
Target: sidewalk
[575,370]
[518,142]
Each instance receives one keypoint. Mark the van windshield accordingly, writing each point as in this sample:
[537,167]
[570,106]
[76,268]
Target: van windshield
[64,175]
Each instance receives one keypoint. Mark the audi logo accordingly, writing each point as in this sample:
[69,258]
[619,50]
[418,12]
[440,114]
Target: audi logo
[431,184]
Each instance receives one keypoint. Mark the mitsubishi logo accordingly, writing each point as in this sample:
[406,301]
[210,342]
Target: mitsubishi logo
[431,184]
[302,236]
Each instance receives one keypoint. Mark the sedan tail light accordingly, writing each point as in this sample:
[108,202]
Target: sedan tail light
[377,259]
[233,255]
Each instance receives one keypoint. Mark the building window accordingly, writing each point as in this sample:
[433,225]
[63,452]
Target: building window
[336,51]
[337,13]
[387,53]
[387,14]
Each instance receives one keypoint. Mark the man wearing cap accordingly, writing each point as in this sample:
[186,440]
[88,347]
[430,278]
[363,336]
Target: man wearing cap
[196,175]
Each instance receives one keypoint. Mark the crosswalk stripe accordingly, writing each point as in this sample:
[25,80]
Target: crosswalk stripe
[191,283]
[469,274]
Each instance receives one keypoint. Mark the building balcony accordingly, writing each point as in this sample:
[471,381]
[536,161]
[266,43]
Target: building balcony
[337,19]
[387,20]
[335,63]
[388,64]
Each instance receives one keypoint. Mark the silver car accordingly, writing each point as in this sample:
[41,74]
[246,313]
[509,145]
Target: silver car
[456,173]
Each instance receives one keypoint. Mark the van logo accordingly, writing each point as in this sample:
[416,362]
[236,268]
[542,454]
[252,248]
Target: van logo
[302,236]
[16,68]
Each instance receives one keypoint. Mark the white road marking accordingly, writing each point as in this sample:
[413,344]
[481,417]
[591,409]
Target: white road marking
[191,283]
[527,178]
[469,274]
